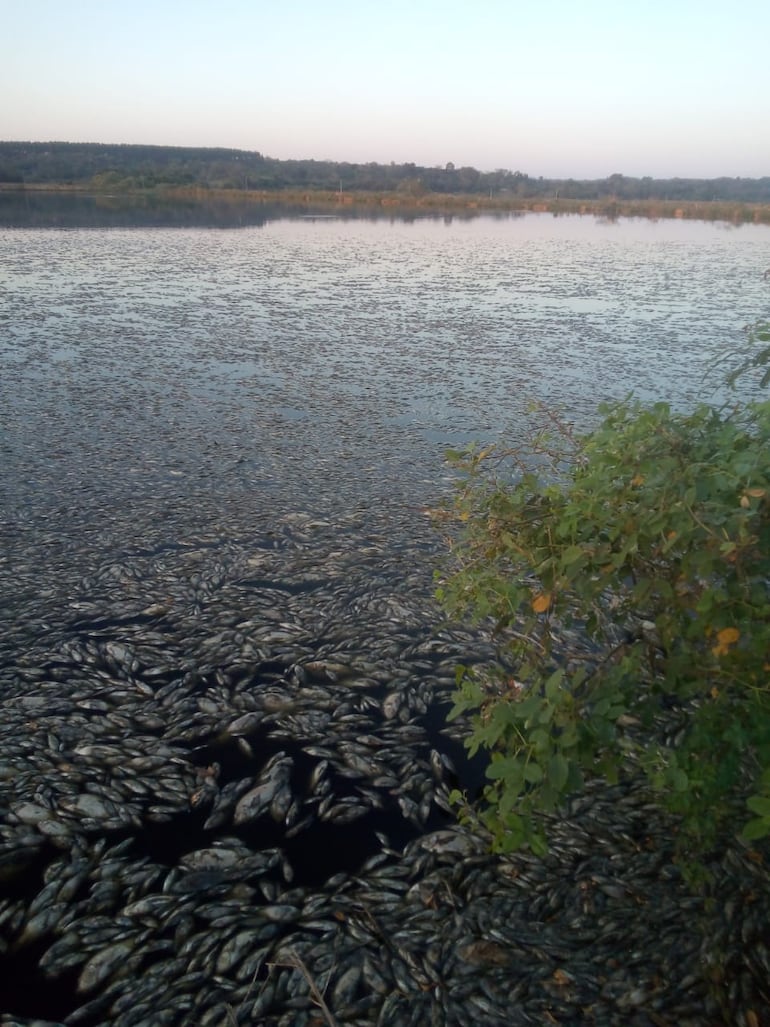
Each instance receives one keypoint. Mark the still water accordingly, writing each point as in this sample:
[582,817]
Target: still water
[156,381]
[217,443]
[330,351]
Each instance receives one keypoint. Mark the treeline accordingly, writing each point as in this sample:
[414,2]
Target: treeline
[130,167]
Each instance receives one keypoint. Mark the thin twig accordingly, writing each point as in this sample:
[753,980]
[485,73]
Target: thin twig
[295,963]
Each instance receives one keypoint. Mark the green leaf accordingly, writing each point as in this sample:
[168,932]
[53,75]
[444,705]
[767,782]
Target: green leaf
[571,555]
[545,713]
[538,844]
[509,770]
[759,804]
[553,686]
[639,521]
[558,771]
[754,829]
[540,739]
[527,709]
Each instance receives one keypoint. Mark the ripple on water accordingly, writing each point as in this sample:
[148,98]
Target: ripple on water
[222,675]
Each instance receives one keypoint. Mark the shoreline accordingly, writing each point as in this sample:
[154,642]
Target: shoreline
[711,210]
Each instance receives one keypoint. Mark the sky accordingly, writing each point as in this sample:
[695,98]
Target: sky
[558,88]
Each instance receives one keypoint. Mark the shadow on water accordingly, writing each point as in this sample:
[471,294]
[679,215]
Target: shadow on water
[81,210]
[26,992]
[67,210]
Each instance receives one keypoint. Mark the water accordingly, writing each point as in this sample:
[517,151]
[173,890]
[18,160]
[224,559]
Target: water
[355,340]
[216,447]
[160,382]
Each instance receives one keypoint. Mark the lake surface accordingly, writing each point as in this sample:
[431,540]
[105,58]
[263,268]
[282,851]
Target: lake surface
[159,381]
[219,432]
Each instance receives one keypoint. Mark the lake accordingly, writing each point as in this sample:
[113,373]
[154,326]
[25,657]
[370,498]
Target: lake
[219,433]
[316,347]
[319,363]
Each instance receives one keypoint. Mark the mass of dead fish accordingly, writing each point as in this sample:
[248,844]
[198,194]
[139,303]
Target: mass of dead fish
[225,764]
[210,815]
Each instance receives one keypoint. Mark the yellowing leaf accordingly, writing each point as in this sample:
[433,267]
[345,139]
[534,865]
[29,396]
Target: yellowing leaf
[541,603]
[638,479]
[728,636]
[725,638]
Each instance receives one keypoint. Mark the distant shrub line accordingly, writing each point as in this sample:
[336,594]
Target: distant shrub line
[123,167]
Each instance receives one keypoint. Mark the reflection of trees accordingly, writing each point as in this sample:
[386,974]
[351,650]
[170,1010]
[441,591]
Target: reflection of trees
[75,210]
[31,209]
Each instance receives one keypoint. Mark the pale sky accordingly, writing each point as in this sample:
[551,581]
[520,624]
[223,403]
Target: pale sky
[559,88]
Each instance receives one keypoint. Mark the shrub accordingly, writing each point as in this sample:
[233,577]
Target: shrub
[627,577]
[753,361]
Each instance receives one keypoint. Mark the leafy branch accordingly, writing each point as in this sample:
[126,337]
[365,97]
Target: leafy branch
[626,574]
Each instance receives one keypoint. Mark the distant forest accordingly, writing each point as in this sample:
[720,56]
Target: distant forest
[130,167]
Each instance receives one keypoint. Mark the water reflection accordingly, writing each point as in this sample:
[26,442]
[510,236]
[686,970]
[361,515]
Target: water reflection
[39,209]
[32,209]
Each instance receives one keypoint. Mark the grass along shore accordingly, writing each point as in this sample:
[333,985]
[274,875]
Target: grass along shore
[713,210]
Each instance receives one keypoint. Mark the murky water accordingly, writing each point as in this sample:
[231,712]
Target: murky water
[345,354]
[158,381]
[216,447]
